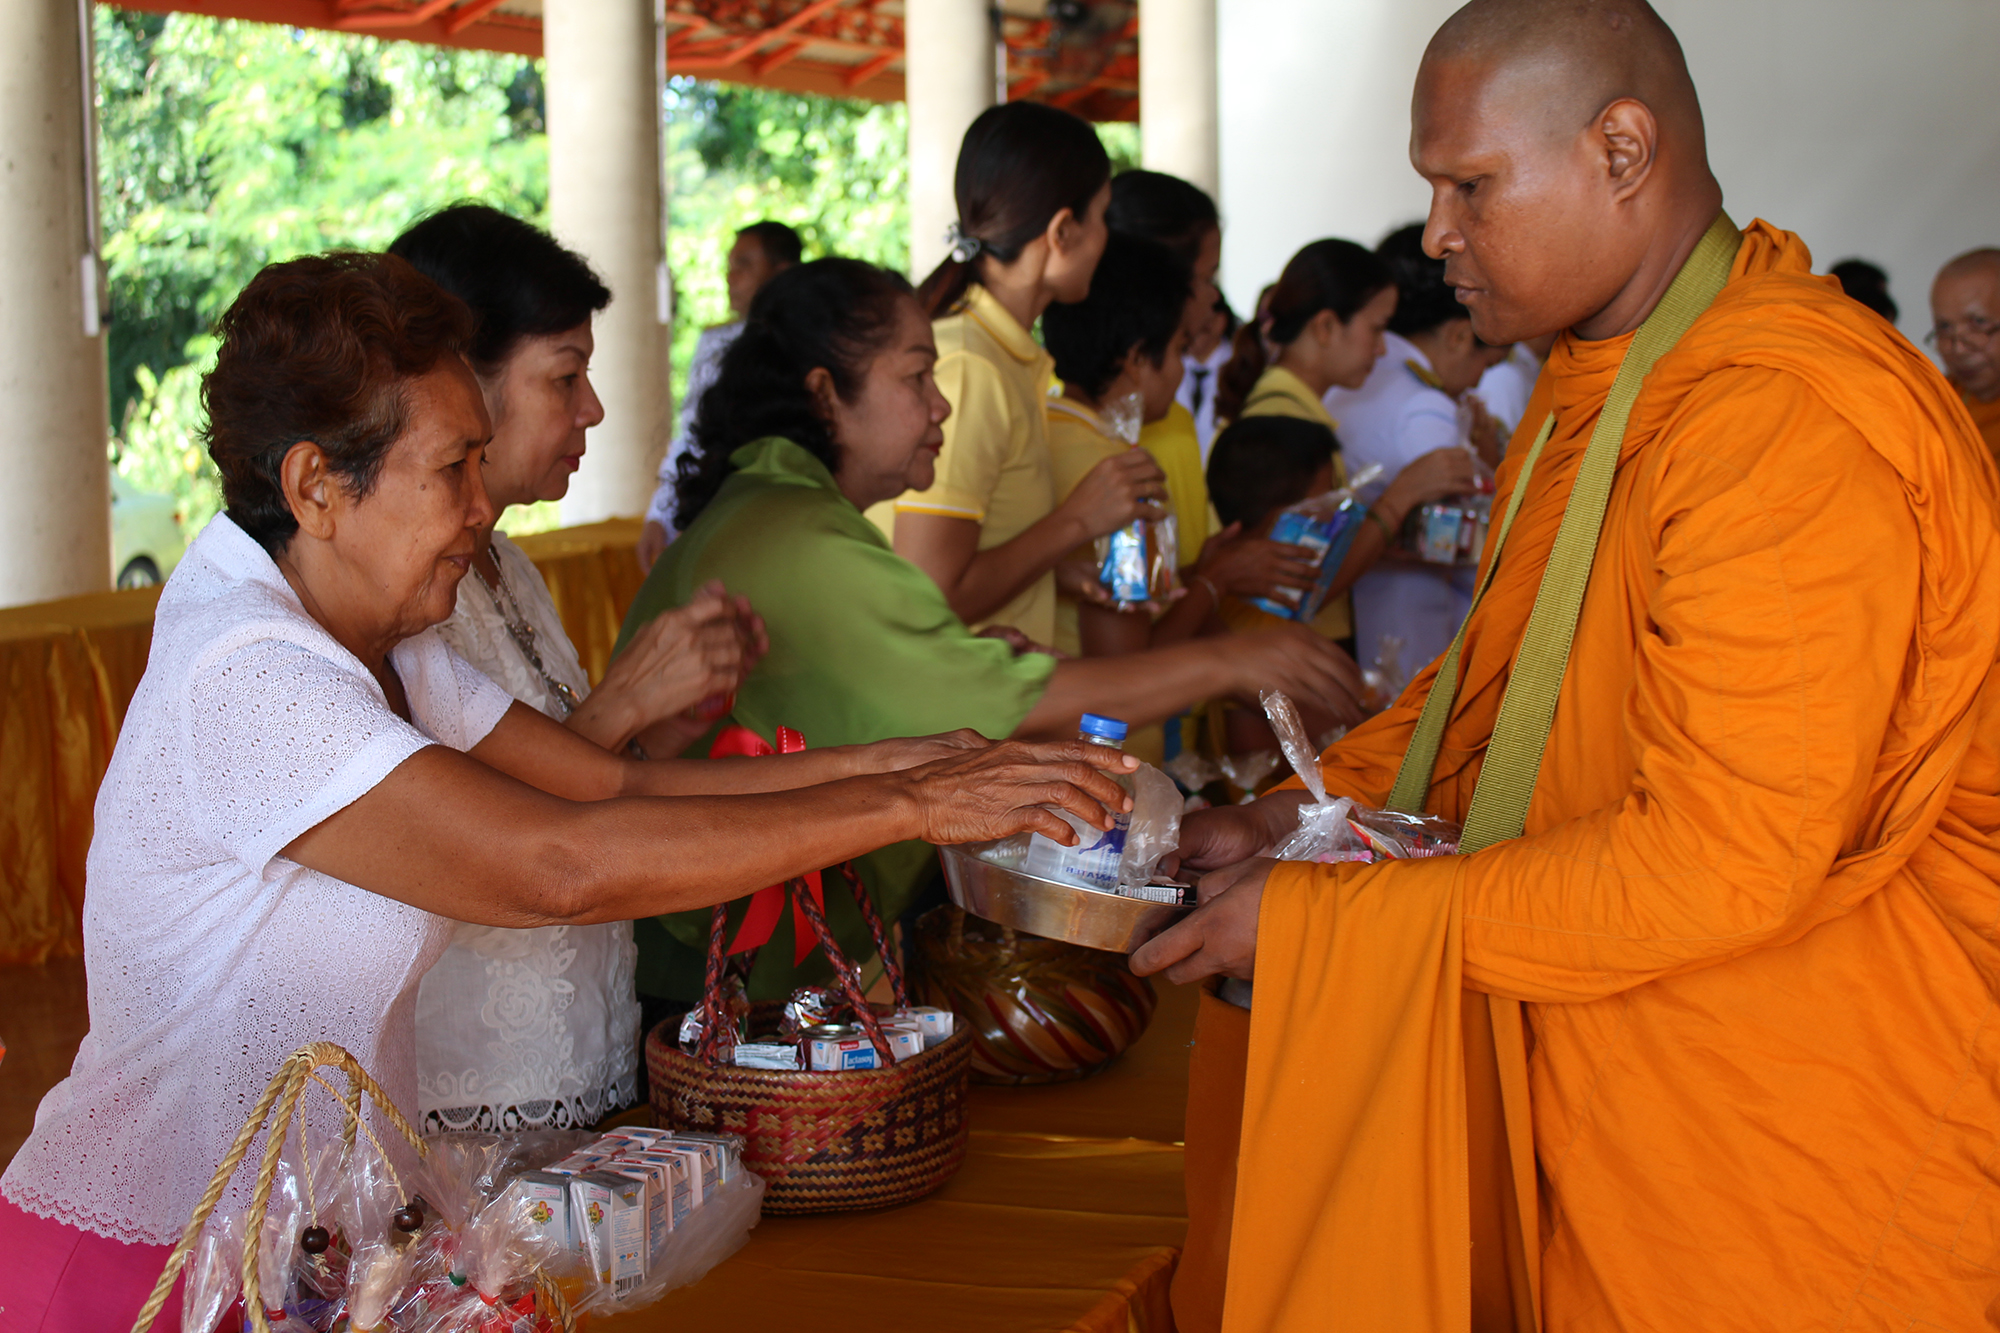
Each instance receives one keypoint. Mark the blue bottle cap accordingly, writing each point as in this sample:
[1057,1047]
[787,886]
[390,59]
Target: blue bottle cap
[1110,728]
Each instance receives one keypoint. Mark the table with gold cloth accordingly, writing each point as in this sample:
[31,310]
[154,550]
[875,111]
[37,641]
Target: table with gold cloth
[68,669]
[1068,1215]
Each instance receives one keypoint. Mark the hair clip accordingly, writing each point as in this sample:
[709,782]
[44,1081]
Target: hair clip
[964,249]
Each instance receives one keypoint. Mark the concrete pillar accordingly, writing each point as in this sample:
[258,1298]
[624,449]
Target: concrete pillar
[949,78]
[55,508]
[1177,111]
[604,110]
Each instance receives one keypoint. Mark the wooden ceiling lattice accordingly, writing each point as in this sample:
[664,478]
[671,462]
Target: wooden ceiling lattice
[1069,53]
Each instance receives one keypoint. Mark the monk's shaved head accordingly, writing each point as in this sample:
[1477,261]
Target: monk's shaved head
[1965,321]
[1566,60]
[1563,140]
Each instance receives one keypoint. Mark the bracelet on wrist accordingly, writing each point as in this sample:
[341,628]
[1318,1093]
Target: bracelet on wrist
[1388,530]
[1214,593]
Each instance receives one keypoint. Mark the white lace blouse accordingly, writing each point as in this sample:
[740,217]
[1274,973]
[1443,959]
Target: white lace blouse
[525,1029]
[209,957]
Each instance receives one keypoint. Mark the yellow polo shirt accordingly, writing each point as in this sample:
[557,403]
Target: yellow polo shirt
[994,469]
[1176,447]
[1280,393]
[1079,440]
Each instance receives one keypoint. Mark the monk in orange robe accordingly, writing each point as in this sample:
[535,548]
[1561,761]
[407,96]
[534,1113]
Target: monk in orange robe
[1965,325]
[1753,920]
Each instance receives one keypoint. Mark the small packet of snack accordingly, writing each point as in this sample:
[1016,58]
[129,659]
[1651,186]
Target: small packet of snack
[1333,830]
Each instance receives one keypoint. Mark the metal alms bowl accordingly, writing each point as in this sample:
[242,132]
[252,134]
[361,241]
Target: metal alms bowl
[1044,907]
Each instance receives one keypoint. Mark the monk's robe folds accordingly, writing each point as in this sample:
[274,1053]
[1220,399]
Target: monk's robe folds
[1753,913]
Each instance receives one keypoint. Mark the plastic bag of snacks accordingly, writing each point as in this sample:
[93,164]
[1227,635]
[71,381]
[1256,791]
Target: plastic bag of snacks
[1336,830]
[1140,562]
[1325,525]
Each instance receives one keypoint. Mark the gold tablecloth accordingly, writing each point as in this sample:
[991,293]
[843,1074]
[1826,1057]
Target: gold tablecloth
[1068,1214]
[69,668]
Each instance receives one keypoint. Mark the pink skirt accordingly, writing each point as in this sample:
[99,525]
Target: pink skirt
[57,1279]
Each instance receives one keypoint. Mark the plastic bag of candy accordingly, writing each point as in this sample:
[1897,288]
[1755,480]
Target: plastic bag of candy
[1335,829]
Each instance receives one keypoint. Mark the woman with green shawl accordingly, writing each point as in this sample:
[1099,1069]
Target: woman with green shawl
[824,405]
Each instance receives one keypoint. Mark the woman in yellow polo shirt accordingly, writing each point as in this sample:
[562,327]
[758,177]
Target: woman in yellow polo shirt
[1032,185]
[1321,325]
[1180,216]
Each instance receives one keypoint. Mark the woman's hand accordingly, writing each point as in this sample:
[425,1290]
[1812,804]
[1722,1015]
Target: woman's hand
[1255,566]
[1437,475]
[1001,790]
[1305,665]
[1126,486]
[682,657]
[893,756]
[1484,435]
[1220,936]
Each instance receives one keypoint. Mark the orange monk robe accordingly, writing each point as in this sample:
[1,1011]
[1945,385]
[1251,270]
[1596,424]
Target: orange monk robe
[1753,914]
[1986,416]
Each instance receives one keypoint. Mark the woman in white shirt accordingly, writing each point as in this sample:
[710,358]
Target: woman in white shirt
[539,1029]
[1410,406]
[310,786]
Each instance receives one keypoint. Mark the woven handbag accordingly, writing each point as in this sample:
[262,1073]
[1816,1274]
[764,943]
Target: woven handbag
[300,1070]
[823,1141]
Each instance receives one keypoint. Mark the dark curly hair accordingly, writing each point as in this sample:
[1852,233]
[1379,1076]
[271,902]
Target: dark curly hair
[518,280]
[831,313]
[1423,300]
[320,349]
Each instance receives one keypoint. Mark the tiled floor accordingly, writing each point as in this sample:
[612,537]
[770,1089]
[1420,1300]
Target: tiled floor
[42,1019]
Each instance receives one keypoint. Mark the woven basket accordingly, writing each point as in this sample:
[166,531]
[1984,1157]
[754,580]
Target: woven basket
[824,1142]
[287,1086]
[829,1142]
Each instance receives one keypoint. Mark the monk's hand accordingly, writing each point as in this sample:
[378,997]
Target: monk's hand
[1219,937]
[1007,788]
[1225,834]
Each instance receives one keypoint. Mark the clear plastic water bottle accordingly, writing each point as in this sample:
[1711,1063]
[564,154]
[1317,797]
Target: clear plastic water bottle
[1093,862]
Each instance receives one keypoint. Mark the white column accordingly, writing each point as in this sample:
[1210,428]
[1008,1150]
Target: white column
[1177,90]
[602,81]
[948,79]
[55,508]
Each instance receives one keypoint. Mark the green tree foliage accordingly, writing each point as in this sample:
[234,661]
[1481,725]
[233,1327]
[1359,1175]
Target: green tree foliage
[228,145]
[836,170]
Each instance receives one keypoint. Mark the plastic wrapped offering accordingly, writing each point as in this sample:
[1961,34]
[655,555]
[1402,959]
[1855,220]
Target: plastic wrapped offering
[1140,562]
[1334,830]
[1325,525]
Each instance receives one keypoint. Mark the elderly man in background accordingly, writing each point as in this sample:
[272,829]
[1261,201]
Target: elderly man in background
[1965,329]
[762,251]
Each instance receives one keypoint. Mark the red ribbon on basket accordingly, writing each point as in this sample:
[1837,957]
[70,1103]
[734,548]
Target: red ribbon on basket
[767,905]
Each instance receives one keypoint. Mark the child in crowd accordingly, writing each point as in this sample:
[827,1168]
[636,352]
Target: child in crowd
[1032,185]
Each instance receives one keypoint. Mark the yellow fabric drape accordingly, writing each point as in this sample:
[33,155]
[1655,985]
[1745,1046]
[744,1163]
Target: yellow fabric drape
[69,668]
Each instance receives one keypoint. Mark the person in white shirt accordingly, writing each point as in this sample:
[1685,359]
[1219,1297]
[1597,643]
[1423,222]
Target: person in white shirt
[310,786]
[1505,386]
[1415,402]
[539,1029]
[1208,352]
[762,251]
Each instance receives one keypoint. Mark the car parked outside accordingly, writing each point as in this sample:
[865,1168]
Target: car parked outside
[146,540]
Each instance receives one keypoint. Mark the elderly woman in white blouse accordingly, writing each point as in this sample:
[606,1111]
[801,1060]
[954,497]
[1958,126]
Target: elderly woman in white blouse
[310,786]
[533,1029]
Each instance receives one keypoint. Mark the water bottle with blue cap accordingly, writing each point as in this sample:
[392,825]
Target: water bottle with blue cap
[1093,862]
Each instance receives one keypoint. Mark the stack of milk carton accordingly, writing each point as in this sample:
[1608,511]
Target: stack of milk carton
[620,1201]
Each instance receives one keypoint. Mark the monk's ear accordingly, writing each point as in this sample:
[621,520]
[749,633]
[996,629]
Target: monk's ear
[1629,138]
